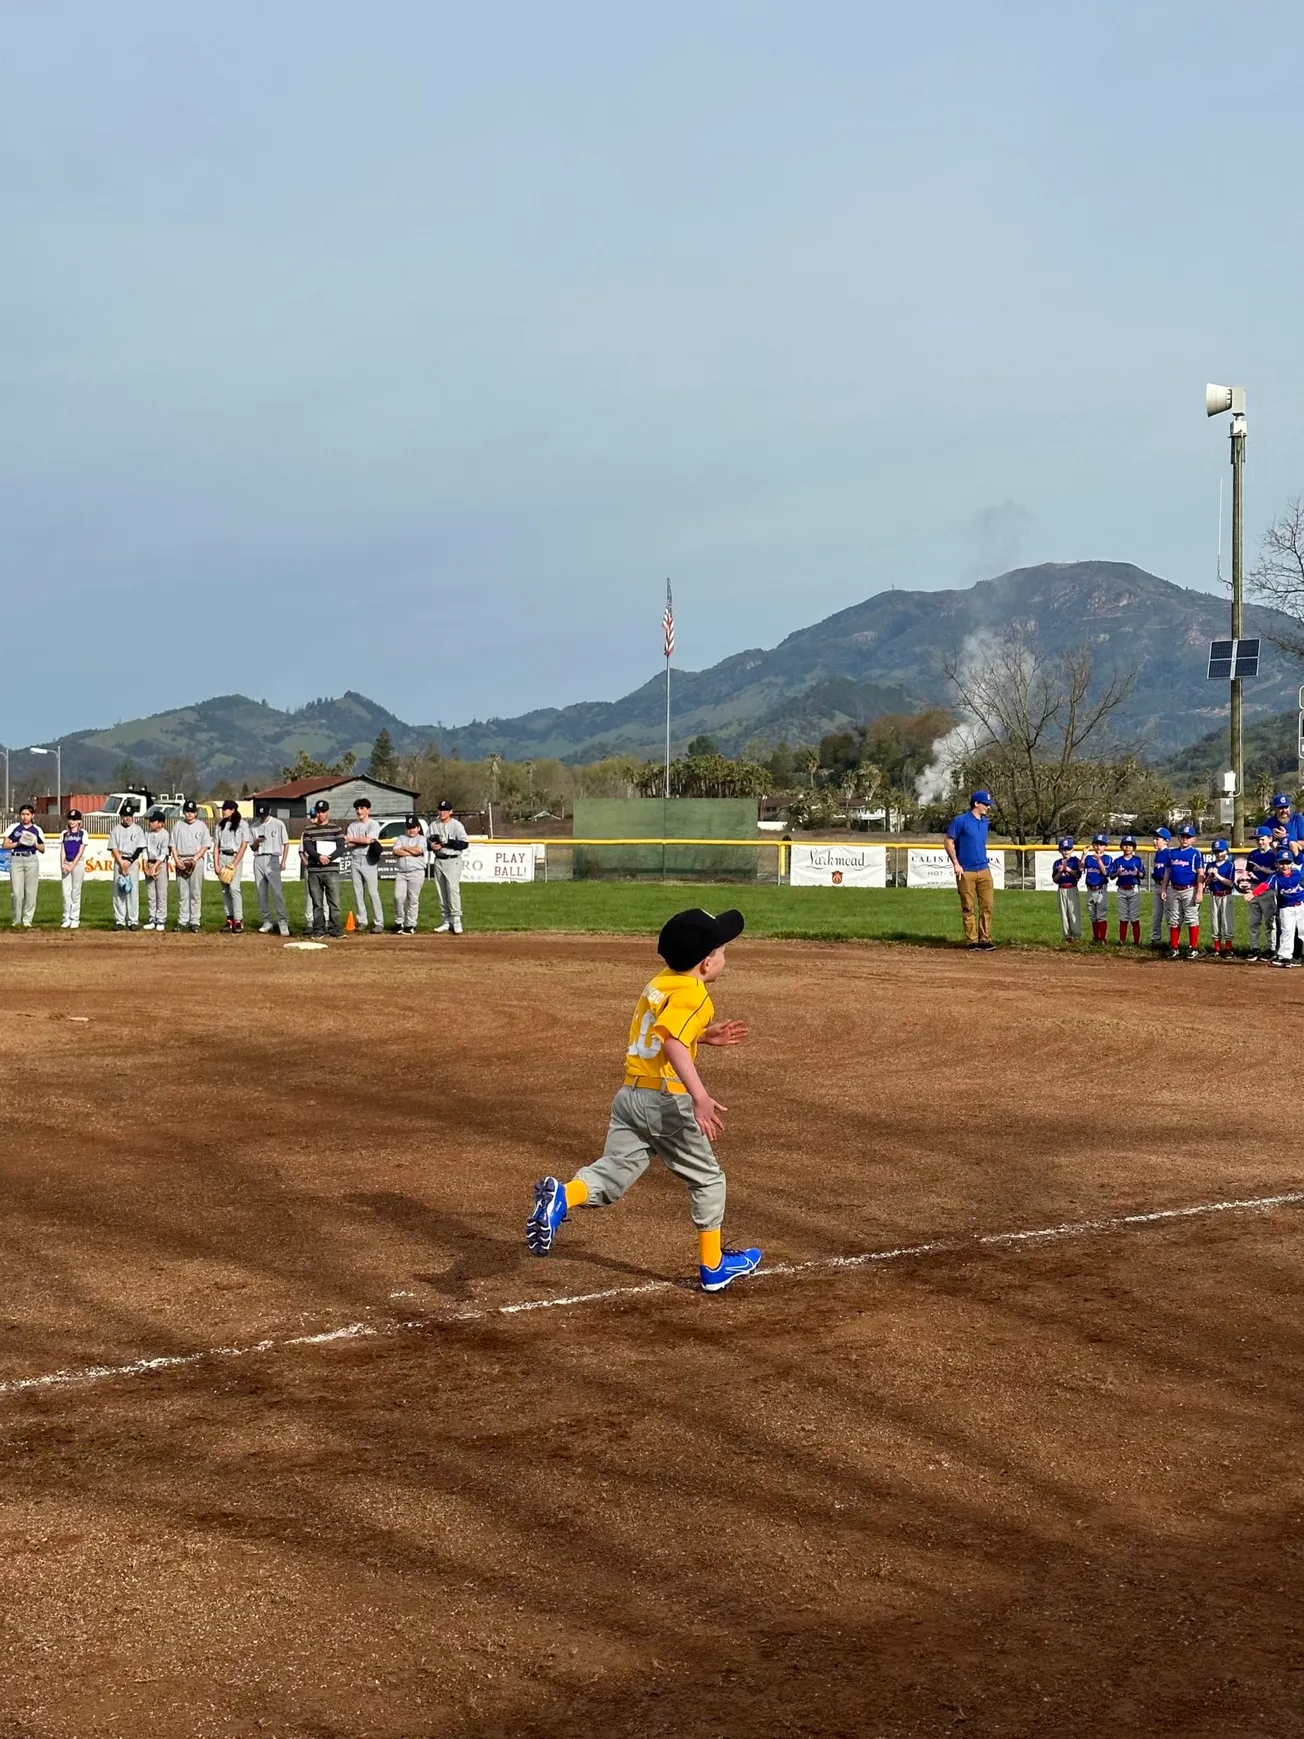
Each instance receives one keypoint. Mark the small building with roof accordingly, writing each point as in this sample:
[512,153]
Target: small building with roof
[293,802]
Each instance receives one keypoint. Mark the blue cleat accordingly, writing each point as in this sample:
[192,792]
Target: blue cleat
[733,1264]
[549,1212]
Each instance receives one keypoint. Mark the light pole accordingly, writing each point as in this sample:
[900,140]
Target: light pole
[6,783]
[1218,399]
[57,752]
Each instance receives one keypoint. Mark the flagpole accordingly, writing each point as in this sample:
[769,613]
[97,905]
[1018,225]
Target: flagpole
[669,624]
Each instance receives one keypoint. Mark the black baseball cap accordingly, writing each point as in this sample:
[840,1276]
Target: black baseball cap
[74,815]
[320,806]
[445,804]
[688,937]
[127,809]
[190,807]
[412,820]
[262,809]
[231,804]
[157,815]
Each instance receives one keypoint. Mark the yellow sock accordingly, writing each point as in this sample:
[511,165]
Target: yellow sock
[708,1248]
[577,1193]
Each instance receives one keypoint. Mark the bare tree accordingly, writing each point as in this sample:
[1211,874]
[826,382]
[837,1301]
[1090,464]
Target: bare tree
[1039,731]
[1278,575]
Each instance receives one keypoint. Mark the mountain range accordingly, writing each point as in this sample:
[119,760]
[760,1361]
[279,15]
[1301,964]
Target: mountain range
[885,654]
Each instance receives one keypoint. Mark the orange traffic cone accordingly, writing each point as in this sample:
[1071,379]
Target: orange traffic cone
[349,925]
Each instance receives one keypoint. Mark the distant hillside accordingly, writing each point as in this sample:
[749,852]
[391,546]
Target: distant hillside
[882,655]
[1271,752]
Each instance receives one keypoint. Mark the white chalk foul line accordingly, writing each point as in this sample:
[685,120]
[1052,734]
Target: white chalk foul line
[86,1374]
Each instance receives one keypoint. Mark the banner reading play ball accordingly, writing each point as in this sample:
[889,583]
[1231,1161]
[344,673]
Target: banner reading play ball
[493,862]
[839,866]
[926,868]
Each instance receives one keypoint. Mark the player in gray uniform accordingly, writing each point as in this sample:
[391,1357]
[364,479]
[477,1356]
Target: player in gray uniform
[447,843]
[233,841]
[72,869]
[271,845]
[26,843]
[158,853]
[191,844]
[364,865]
[127,844]
[409,876]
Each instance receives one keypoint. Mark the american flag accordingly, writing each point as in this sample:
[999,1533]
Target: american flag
[668,622]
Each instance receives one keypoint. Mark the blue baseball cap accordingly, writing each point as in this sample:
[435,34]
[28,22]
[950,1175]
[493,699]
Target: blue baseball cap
[1280,800]
[1222,844]
[980,797]
[1190,830]
[1285,857]
[1100,839]
[1128,839]
[1066,844]
[1162,833]
[1264,831]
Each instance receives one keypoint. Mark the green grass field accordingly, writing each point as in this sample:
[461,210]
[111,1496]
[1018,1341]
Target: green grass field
[920,915]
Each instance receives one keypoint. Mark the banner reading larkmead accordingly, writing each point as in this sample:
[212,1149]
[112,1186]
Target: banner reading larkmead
[839,866]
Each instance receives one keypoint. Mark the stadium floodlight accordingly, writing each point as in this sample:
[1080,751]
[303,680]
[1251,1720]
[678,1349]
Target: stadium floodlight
[1218,400]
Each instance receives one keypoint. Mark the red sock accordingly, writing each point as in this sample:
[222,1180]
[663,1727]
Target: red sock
[1193,931]
[1136,932]
[1174,936]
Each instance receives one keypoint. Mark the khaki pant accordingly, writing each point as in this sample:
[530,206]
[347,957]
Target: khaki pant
[975,886]
[645,1122]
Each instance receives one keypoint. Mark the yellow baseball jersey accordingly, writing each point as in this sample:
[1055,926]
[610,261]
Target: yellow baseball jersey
[673,1006]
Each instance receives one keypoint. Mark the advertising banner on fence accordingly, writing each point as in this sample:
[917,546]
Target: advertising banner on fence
[1042,878]
[926,868]
[839,866]
[492,862]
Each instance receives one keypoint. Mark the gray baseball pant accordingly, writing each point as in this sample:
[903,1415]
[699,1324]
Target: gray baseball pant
[156,897]
[1223,914]
[645,1122]
[1158,912]
[1263,923]
[1070,913]
[366,880]
[324,898]
[24,880]
[126,907]
[448,876]
[270,891]
[72,893]
[1098,905]
[1181,909]
[190,898]
[232,896]
[407,897]
[1129,906]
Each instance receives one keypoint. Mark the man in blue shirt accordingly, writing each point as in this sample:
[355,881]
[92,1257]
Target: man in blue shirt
[1284,816]
[966,846]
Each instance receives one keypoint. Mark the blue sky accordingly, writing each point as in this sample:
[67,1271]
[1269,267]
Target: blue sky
[409,347]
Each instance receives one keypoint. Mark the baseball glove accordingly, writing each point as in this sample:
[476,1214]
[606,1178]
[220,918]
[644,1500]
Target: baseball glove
[226,873]
[374,851]
[185,866]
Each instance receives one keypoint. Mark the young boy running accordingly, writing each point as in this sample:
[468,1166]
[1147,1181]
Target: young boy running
[1129,871]
[663,1108]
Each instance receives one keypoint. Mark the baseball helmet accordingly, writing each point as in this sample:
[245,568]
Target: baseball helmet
[1127,839]
[1222,844]
[1066,844]
[1189,830]
[1162,833]
[1280,800]
[1100,839]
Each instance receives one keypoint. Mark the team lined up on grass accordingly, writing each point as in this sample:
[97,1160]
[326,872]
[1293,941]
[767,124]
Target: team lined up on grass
[1180,876]
[159,856]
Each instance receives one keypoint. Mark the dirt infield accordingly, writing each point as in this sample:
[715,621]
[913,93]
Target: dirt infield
[1033,1488]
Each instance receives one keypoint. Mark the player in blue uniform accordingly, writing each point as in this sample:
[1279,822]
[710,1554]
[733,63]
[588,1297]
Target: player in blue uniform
[1095,871]
[1288,885]
[1220,882]
[1158,864]
[1066,873]
[1260,867]
[1128,872]
[1183,891]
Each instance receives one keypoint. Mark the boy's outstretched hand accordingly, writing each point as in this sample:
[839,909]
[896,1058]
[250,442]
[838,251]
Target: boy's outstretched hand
[709,1114]
[724,1032]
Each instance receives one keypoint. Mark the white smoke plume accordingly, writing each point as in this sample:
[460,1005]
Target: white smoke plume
[936,782]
